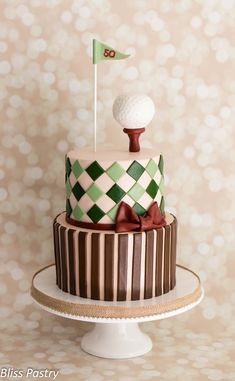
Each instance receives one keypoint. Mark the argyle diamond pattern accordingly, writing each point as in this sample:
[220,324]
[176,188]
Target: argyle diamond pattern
[94,193]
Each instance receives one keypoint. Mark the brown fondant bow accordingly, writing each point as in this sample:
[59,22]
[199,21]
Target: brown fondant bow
[128,220]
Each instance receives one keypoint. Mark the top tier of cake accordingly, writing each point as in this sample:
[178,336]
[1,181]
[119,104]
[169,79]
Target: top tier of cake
[96,183]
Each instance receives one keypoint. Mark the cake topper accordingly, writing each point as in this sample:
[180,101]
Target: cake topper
[102,52]
[134,113]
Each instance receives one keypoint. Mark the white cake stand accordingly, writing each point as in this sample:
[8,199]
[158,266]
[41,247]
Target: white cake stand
[116,333]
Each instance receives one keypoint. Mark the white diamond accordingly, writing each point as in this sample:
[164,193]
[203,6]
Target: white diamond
[143,162]
[158,198]
[104,182]
[144,180]
[85,203]
[126,182]
[128,200]
[86,218]
[145,201]
[106,165]
[106,220]
[158,177]
[72,200]
[72,179]
[85,180]
[105,203]
[125,164]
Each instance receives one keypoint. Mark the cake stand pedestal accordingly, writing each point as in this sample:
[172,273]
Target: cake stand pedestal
[116,333]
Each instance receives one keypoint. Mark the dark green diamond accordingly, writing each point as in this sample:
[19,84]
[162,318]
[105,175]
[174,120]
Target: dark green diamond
[139,209]
[135,170]
[162,205]
[95,170]
[78,191]
[116,193]
[67,166]
[152,189]
[161,164]
[68,208]
[95,213]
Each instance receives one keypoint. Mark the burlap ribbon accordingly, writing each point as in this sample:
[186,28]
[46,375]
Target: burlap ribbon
[114,311]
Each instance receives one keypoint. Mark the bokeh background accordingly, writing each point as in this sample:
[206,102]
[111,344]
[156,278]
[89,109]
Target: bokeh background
[182,55]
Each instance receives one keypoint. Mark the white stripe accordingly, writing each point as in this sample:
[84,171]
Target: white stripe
[115,267]
[154,260]
[76,262]
[163,258]
[101,266]
[88,263]
[129,266]
[142,265]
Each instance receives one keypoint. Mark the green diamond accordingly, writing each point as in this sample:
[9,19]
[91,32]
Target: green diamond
[136,192]
[67,165]
[68,188]
[162,205]
[68,208]
[152,189]
[135,170]
[139,209]
[95,170]
[77,169]
[161,185]
[95,213]
[115,172]
[116,193]
[151,167]
[161,164]
[113,212]
[94,192]
[78,212]
[78,191]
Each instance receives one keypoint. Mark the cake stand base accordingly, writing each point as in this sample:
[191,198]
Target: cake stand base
[116,341]
[116,333]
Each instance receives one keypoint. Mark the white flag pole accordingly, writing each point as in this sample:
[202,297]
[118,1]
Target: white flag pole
[95,105]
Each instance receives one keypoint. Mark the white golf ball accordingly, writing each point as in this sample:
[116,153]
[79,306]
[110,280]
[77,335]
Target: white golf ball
[133,111]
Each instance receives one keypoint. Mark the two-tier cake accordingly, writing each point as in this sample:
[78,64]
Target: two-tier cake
[115,241]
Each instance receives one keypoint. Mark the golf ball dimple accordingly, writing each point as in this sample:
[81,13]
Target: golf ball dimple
[133,111]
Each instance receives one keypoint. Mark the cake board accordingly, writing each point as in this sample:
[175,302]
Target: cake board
[116,333]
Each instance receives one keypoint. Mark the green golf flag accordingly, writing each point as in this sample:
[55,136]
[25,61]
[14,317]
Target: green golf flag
[104,52]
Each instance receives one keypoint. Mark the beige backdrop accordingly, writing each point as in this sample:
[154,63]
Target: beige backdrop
[182,55]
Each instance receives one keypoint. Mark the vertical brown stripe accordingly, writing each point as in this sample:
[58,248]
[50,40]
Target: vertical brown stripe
[173,252]
[57,253]
[82,263]
[95,266]
[166,259]
[148,285]
[137,242]
[108,266]
[122,266]
[71,262]
[159,253]
[63,258]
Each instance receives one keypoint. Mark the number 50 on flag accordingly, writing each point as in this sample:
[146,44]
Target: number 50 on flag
[103,52]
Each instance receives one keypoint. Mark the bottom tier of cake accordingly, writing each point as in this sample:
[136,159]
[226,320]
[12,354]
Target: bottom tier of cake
[105,265]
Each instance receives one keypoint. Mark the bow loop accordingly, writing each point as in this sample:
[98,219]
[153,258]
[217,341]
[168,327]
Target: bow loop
[128,220]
